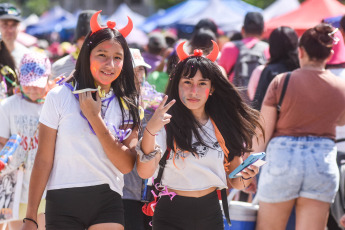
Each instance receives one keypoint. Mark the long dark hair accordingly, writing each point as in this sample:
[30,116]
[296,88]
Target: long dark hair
[123,86]
[236,121]
[6,59]
[283,43]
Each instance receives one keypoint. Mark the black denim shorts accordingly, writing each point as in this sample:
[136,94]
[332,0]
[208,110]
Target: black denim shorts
[80,208]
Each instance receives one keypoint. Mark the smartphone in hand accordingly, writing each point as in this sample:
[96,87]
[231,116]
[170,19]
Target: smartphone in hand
[249,161]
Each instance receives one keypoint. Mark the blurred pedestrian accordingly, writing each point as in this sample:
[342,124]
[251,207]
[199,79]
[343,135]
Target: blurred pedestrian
[10,18]
[301,167]
[64,66]
[240,58]
[283,43]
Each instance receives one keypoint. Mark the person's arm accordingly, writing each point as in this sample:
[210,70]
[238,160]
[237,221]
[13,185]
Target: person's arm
[121,155]
[148,143]
[40,172]
[268,121]
[248,174]
[342,221]
[3,142]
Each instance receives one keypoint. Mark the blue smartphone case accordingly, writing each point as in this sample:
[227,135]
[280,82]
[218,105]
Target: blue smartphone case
[249,161]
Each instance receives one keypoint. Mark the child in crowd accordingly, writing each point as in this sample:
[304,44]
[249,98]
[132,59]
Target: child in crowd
[19,114]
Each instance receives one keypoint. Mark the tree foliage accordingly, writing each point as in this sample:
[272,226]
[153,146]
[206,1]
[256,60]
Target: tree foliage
[30,6]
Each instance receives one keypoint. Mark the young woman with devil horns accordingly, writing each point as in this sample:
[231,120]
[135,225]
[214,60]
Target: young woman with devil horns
[206,132]
[87,141]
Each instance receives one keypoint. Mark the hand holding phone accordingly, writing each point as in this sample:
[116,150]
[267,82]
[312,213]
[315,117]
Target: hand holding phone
[249,161]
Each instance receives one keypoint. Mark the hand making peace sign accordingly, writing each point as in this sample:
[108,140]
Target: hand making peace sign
[160,117]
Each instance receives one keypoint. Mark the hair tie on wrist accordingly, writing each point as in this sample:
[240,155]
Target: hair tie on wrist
[246,178]
[150,132]
[31,221]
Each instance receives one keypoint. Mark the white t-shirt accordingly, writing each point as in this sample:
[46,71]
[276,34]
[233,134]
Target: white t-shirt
[79,159]
[195,173]
[19,116]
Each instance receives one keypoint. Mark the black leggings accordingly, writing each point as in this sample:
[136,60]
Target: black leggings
[188,213]
[80,208]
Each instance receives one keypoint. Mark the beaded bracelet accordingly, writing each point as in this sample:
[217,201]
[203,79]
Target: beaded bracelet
[31,221]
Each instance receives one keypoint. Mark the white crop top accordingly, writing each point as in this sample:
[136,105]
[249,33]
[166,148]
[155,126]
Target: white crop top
[195,173]
[79,159]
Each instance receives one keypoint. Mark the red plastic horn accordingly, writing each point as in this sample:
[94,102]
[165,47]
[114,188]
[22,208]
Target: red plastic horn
[212,56]
[180,52]
[96,27]
[127,29]
[214,53]
[94,23]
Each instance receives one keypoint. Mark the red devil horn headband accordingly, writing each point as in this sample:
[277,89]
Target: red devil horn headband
[212,56]
[96,27]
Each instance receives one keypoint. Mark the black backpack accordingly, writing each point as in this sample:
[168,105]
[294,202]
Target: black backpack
[247,61]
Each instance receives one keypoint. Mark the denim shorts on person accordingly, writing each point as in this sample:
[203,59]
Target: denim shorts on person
[299,167]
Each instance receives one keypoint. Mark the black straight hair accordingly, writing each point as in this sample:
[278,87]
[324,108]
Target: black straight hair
[283,43]
[236,121]
[123,86]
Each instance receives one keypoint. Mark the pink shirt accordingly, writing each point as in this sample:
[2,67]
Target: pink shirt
[254,81]
[230,53]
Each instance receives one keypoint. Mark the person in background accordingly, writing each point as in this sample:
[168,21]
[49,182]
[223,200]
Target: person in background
[10,18]
[283,44]
[157,56]
[133,184]
[240,58]
[19,114]
[336,65]
[8,72]
[64,66]
[301,167]
[154,51]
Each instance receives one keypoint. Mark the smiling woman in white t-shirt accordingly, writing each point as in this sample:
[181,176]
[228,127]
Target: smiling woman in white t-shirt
[87,141]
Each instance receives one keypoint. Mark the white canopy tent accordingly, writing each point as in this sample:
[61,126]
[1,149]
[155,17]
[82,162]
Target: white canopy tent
[280,7]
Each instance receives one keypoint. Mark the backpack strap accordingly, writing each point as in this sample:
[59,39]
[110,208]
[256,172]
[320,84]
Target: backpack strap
[286,81]
[162,164]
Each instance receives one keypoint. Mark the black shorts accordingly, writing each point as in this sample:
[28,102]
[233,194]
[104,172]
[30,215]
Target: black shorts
[80,208]
[188,213]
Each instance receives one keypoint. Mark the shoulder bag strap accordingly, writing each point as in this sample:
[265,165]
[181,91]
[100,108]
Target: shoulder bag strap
[162,164]
[225,205]
[286,81]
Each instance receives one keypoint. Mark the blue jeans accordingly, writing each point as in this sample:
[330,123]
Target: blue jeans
[299,167]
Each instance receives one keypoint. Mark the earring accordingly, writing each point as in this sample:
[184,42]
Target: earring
[210,94]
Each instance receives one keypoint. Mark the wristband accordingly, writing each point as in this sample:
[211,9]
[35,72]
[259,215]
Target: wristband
[32,220]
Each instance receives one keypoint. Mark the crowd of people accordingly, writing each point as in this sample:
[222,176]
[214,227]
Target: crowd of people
[118,136]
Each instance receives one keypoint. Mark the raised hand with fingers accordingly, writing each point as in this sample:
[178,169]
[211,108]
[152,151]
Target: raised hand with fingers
[89,106]
[160,117]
